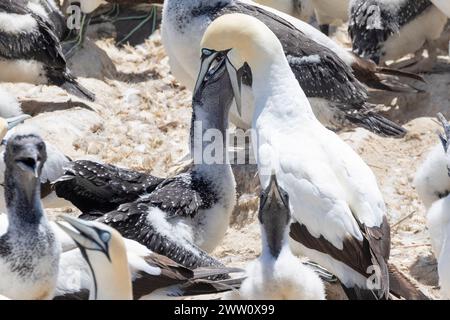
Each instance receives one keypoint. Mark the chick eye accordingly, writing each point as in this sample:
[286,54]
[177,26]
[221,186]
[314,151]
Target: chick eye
[105,236]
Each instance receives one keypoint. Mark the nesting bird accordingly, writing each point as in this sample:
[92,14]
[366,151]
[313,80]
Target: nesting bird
[29,250]
[30,50]
[327,72]
[277,274]
[182,216]
[121,269]
[388,30]
[337,208]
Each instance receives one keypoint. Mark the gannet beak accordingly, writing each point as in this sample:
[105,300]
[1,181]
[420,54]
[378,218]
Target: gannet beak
[208,57]
[14,121]
[236,83]
[84,234]
[212,74]
[29,163]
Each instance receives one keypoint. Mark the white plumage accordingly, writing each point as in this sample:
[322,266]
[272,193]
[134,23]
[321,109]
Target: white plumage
[9,106]
[431,180]
[284,278]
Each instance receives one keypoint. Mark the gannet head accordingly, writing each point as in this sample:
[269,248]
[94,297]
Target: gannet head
[274,215]
[25,155]
[241,39]
[105,252]
[8,124]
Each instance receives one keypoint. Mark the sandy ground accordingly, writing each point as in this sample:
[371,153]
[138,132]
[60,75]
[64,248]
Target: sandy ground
[141,120]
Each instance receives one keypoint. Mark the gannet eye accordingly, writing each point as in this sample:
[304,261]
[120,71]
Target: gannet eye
[207,52]
[105,236]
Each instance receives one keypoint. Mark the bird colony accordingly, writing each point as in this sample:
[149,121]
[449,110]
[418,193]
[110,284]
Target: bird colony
[231,149]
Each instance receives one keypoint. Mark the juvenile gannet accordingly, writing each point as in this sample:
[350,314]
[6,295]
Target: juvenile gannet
[29,251]
[388,30]
[31,52]
[324,69]
[52,169]
[277,274]
[438,221]
[120,268]
[50,11]
[182,212]
[339,215]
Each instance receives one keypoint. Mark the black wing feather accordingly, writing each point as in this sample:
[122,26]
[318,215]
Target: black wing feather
[98,188]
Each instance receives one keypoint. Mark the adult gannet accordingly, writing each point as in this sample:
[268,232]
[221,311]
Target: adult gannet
[438,221]
[388,30]
[338,211]
[29,250]
[30,50]
[173,216]
[324,69]
[277,274]
[120,268]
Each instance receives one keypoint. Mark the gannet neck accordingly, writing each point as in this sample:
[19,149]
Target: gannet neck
[266,253]
[23,201]
[277,92]
[210,123]
[112,277]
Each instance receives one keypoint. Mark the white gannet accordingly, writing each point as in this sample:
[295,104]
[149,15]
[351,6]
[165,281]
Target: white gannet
[438,220]
[120,268]
[388,30]
[172,216]
[29,250]
[277,274]
[52,169]
[325,70]
[339,215]
[31,52]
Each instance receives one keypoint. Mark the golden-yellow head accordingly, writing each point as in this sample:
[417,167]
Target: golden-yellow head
[236,39]
[248,39]
[106,253]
